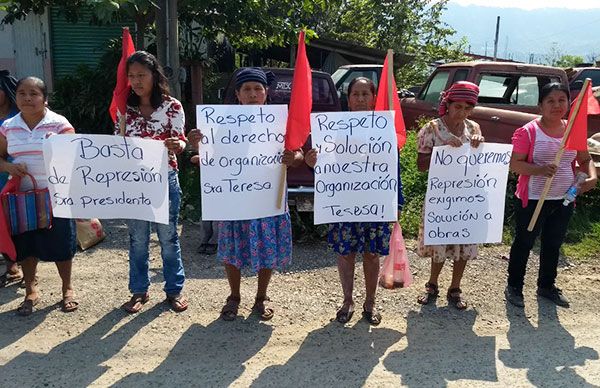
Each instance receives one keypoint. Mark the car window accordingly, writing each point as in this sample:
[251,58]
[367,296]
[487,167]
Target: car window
[493,87]
[593,74]
[527,91]
[460,75]
[370,74]
[435,87]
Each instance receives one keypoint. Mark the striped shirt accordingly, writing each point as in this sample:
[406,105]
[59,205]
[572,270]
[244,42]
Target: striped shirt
[25,145]
[544,150]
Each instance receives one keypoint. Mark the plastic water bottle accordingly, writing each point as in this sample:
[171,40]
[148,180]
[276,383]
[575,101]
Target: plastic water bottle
[572,192]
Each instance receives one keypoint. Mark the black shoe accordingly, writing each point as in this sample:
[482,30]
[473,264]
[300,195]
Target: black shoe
[514,296]
[554,294]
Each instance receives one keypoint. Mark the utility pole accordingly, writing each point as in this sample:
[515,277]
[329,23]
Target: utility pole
[485,49]
[496,38]
[167,43]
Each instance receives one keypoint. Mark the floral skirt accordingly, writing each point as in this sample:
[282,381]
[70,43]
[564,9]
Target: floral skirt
[441,253]
[264,243]
[359,237]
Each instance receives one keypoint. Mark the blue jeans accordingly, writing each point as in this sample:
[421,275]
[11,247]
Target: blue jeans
[139,239]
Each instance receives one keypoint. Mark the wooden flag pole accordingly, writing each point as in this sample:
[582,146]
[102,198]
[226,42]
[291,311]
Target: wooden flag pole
[122,122]
[390,78]
[282,186]
[558,156]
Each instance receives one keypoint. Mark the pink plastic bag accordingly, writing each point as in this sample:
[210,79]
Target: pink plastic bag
[395,271]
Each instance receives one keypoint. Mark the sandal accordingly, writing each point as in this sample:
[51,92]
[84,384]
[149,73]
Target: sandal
[26,307]
[264,313]
[68,304]
[135,304]
[345,313]
[7,278]
[373,317]
[431,293]
[230,311]
[455,297]
[178,303]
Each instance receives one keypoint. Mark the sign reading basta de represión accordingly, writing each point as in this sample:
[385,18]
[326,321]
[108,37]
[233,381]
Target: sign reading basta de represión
[465,194]
[241,155]
[356,175]
[104,176]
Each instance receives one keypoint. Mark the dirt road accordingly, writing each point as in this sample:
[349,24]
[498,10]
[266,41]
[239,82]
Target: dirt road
[490,344]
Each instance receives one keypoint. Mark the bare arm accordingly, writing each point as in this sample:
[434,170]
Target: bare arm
[5,166]
[586,164]
[423,161]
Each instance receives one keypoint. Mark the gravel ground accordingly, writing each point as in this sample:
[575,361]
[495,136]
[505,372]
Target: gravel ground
[490,344]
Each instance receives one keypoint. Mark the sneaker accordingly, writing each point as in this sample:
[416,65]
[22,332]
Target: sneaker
[514,296]
[554,294]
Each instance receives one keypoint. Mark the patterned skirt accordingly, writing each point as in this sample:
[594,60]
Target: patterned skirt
[264,243]
[359,237]
[441,253]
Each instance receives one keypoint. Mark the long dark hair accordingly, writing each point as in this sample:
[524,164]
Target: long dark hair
[160,88]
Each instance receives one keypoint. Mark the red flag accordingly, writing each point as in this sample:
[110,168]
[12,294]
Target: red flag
[381,103]
[298,121]
[121,92]
[577,140]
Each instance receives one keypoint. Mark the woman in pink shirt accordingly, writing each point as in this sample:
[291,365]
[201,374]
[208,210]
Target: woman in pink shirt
[535,146]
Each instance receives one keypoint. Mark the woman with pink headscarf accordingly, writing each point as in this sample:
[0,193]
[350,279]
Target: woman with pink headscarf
[452,128]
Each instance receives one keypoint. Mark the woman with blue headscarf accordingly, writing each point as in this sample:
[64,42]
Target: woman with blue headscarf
[261,244]
[8,109]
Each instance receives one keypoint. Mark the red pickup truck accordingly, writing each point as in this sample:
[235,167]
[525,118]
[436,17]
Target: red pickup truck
[508,96]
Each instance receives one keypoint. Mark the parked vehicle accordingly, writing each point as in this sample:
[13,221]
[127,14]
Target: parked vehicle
[508,97]
[345,74]
[325,99]
[577,75]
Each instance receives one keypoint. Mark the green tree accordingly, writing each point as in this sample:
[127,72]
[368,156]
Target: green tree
[569,61]
[412,27]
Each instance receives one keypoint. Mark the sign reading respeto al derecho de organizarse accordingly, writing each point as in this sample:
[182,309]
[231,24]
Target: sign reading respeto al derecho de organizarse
[356,175]
[465,194]
[103,176]
[241,155]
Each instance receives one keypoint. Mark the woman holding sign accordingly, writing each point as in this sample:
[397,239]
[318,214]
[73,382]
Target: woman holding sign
[372,239]
[452,128]
[535,146]
[21,137]
[260,244]
[153,113]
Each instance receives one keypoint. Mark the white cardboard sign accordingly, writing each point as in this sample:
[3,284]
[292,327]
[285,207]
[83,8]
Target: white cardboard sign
[241,160]
[356,175]
[104,176]
[465,194]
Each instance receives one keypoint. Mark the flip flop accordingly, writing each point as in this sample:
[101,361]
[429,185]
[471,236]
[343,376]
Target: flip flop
[264,313]
[230,310]
[68,304]
[374,318]
[135,304]
[178,303]
[343,315]
[25,309]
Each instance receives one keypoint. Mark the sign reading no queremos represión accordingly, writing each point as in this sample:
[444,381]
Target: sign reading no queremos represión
[465,194]
[356,175]
[103,176]
[241,160]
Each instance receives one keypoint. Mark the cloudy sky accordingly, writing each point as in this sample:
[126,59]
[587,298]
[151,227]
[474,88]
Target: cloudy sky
[533,4]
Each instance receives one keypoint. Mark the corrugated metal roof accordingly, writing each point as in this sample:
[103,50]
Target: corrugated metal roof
[73,44]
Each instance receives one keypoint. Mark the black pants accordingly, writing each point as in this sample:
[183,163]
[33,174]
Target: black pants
[552,225]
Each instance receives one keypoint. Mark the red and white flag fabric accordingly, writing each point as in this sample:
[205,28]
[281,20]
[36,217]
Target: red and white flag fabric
[121,92]
[298,120]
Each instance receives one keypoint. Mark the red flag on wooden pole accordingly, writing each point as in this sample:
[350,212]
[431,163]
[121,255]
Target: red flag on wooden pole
[298,120]
[577,139]
[121,92]
[388,91]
